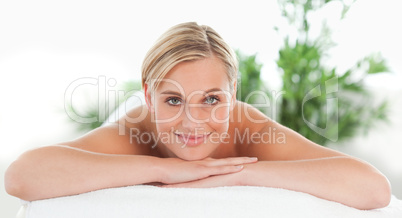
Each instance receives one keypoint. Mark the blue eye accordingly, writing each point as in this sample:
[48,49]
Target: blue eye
[211,100]
[173,101]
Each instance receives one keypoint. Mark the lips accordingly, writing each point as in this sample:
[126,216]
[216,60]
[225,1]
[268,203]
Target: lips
[192,140]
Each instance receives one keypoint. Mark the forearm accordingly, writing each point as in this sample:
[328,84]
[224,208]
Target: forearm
[60,170]
[340,179]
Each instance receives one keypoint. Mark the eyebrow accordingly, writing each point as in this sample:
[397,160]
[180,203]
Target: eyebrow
[170,92]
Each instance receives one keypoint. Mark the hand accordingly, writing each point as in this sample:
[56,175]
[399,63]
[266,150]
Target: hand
[232,179]
[181,171]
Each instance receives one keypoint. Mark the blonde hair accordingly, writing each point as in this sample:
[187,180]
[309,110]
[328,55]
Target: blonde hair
[186,42]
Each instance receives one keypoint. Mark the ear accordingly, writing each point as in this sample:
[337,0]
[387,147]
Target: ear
[148,98]
[233,99]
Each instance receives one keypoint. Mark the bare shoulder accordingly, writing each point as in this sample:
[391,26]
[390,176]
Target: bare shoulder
[269,140]
[138,117]
[245,120]
[116,138]
[247,117]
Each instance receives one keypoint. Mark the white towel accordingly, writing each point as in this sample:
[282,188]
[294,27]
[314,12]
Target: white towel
[236,201]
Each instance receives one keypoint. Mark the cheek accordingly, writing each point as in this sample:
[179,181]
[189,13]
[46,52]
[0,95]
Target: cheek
[220,119]
[220,114]
[167,118]
[166,114]
[164,128]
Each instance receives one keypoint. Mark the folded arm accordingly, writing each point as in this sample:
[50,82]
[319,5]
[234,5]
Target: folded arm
[55,171]
[295,163]
[102,159]
[338,179]
[341,179]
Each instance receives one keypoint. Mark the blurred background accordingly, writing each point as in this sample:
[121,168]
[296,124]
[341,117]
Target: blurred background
[48,47]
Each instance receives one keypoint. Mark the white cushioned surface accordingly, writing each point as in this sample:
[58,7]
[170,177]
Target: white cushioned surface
[238,201]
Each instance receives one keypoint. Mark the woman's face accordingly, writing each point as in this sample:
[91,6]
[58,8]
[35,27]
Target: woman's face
[191,108]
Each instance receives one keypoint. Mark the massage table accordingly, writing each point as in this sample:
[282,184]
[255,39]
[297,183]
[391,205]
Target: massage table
[234,201]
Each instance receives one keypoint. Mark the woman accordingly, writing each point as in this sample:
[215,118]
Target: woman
[193,133]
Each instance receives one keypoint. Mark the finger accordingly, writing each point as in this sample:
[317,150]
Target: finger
[231,161]
[219,170]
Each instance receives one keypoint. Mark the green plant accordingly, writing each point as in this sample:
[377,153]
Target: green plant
[352,108]
[249,81]
[316,100]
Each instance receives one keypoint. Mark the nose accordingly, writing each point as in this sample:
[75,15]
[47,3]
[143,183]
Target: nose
[194,117]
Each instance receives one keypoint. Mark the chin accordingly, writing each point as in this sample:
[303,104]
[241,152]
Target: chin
[191,157]
[192,154]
